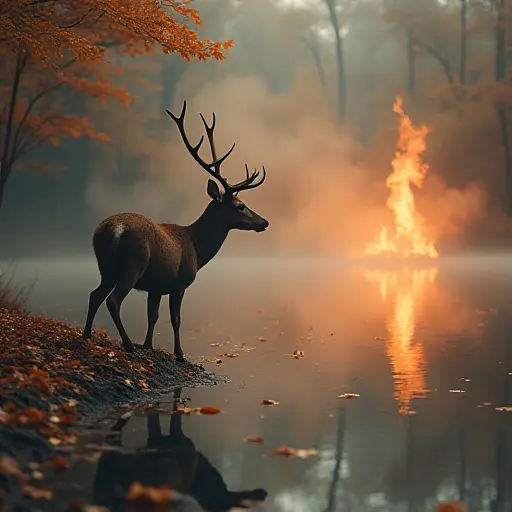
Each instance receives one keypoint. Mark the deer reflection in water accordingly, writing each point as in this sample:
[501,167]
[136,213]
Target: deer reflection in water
[167,460]
[405,352]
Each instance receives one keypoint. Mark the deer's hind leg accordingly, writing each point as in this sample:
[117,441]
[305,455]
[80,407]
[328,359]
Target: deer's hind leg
[125,283]
[96,298]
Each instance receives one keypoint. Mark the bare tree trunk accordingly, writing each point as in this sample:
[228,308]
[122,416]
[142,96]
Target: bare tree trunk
[463,41]
[500,63]
[501,112]
[312,46]
[6,158]
[341,88]
[500,74]
[411,60]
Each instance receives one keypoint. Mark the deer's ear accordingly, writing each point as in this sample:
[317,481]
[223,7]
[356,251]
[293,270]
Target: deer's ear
[214,191]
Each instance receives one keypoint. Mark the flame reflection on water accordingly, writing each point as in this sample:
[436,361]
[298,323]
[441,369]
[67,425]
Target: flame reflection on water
[406,288]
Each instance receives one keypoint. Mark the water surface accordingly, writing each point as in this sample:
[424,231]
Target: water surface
[426,348]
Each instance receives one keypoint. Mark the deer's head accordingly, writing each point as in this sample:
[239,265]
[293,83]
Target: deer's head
[228,207]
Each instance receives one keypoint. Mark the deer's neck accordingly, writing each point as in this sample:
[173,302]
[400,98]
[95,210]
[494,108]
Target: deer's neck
[208,235]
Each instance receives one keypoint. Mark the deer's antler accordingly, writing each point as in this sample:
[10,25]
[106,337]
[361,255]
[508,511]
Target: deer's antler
[214,168]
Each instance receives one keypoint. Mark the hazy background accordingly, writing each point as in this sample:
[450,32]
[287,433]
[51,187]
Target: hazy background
[325,191]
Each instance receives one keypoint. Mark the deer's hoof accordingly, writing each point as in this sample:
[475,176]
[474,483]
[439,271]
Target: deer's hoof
[129,347]
[180,358]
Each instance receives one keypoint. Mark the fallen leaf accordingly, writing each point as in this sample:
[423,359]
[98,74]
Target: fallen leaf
[451,506]
[187,410]
[209,410]
[37,493]
[9,466]
[286,451]
[262,339]
[349,396]
[305,453]
[268,401]
[139,493]
[214,345]
[231,354]
[504,409]
[456,391]
[298,353]
[54,441]
[258,439]
[59,462]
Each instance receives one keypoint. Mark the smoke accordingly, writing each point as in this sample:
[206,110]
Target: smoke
[319,196]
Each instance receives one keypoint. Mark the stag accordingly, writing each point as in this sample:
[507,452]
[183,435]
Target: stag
[133,252]
[167,460]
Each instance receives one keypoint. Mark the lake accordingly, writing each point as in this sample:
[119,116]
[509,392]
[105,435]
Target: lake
[427,349]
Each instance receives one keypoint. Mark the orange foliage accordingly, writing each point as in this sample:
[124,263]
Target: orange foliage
[48,48]
[51,30]
[37,115]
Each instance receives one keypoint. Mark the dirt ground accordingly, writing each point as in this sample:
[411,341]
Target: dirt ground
[53,384]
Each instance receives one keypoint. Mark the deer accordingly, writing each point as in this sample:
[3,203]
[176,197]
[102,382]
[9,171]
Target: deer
[133,252]
[171,461]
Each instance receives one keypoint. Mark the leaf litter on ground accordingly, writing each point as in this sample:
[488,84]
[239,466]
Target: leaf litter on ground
[51,380]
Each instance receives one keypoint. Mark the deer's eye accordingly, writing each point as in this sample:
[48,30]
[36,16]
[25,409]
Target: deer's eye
[240,207]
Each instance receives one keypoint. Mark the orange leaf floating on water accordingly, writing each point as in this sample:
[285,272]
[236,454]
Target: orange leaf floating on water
[268,401]
[349,396]
[214,345]
[187,410]
[209,410]
[263,340]
[451,506]
[258,439]
[504,409]
[231,355]
[139,493]
[286,451]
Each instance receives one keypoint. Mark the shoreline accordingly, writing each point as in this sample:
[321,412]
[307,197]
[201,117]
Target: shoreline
[54,386]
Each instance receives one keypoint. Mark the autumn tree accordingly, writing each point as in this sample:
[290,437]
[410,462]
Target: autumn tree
[52,50]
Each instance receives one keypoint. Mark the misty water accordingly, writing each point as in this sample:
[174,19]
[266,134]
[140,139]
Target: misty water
[427,349]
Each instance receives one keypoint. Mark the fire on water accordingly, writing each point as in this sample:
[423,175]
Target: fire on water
[407,237]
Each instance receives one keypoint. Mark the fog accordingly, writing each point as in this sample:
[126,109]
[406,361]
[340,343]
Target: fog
[325,192]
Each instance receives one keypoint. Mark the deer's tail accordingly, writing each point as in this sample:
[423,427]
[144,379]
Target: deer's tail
[107,241]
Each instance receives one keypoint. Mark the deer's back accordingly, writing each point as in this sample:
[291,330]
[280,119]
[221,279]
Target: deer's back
[165,253]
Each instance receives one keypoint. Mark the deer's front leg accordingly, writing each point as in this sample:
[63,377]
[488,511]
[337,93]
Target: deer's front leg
[175,301]
[152,310]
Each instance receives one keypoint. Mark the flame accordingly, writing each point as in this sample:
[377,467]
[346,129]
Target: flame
[406,354]
[408,237]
